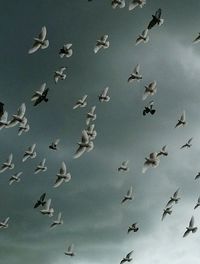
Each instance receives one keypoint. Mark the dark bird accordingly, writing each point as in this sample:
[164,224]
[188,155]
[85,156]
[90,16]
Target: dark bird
[188,144]
[149,109]
[156,19]
[198,203]
[1,109]
[40,95]
[197,176]
[166,211]
[134,227]
[174,198]
[190,228]
[127,258]
[128,196]
[41,201]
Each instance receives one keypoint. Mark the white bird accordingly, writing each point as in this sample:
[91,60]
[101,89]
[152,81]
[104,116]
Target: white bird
[66,51]
[23,127]
[150,89]
[41,167]
[163,152]
[188,144]
[135,3]
[62,176]
[70,251]
[102,43]
[127,258]
[30,153]
[59,74]
[91,116]
[40,95]
[166,211]
[198,203]
[84,145]
[4,120]
[134,227]
[47,210]
[8,164]
[124,166]
[91,132]
[58,221]
[4,224]
[118,3]
[143,37]
[81,102]
[128,196]
[104,97]
[15,178]
[182,121]
[19,117]
[153,161]
[135,74]
[54,144]
[40,42]
[190,228]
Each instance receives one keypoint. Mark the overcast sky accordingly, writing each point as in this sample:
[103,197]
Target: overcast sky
[94,219]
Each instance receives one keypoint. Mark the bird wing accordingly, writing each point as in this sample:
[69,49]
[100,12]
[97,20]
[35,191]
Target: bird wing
[4,117]
[70,248]
[84,138]
[9,160]
[63,168]
[105,91]
[42,197]
[129,254]
[6,220]
[158,13]
[191,223]
[190,140]
[186,233]
[59,216]
[137,69]
[43,33]
[34,48]
[21,111]
[183,117]
[130,191]
[58,182]
[79,152]
[48,204]
[104,38]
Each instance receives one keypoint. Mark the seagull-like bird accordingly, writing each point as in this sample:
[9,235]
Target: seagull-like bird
[41,201]
[66,51]
[118,3]
[156,19]
[124,166]
[19,117]
[4,224]
[102,43]
[182,121]
[135,75]
[40,95]
[188,144]
[70,251]
[4,120]
[135,3]
[133,228]
[143,37]
[149,109]
[15,178]
[58,221]
[174,198]
[190,228]
[54,144]
[152,161]
[127,258]
[197,176]
[91,132]
[166,211]
[41,167]
[81,102]
[128,196]
[62,176]
[91,116]
[40,42]
[84,145]
[23,127]
[163,152]
[104,97]
[7,164]
[198,203]
[47,210]
[59,74]
[30,153]
[150,89]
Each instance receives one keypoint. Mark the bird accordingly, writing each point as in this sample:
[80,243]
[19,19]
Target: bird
[81,102]
[84,145]
[197,39]
[198,203]
[150,89]
[91,116]
[135,76]
[58,221]
[59,74]
[188,144]
[54,144]
[66,51]
[15,178]
[143,37]
[23,127]
[167,210]
[1,109]
[4,223]
[149,109]
[41,167]
[19,117]
[30,153]
[156,19]
[135,3]
[4,120]
[134,227]
[40,95]
[153,161]
[197,176]
[40,42]
[102,43]
[163,152]
[190,228]
[127,258]
[104,97]
[91,132]
[62,176]
[118,3]
[124,166]
[128,196]
[182,121]
[47,210]
[7,164]
[41,201]
[174,198]
[70,251]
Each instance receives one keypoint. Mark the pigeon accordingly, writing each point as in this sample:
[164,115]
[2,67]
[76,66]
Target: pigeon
[143,37]
[198,203]
[156,19]
[127,258]
[1,109]
[150,89]
[59,74]
[134,227]
[66,51]
[166,211]
[190,228]
[91,116]
[41,167]
[152,160]
[102,43]
[40,95]
[104,97]
[149,109]
[182,121]
[174,198]
[40,42]
[4,120]
[81,102]
[8,164]
[4,224]
[118,3]
[54,145]
[23,127]
[58,221]
[15,178]
[70,251]
[30,153]
[91,132]
[187,145]
[47,210]
[41,201]
[62,176]
[135,3]
[135,76]
[128,196]
[84,145]
[197,176]
[163,152]
[19,117]
[124,166]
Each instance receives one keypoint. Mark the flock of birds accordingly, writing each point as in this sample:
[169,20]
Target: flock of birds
[88,135]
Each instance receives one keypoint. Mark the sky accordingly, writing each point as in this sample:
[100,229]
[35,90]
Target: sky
[95,221]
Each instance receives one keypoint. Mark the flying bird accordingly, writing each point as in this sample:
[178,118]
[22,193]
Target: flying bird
[197,176]
[163,152]
[15,178]
[143,37]
[135,3]
[58,221]
[81,102]
[188,144]
[41,201]
[4,224]
[118,3]
[40,95]
[104,97]
[190,228]
[62,176]
[152,161]
[174,198]
[128,196]
[124,166]
[66,51]
[4,120]
[102,43]
[91,116]
[198,203]
[70,251]
[91,132]
[127,258]
[166,211]
[40,42]
[7,164]
[182,121]
[30,153]
[84,145]
[19,117]
[133,228]
[47,210]
[150,89]
[41,167]
[23,127]
[135,75]
[156,19]
[54,144]
[59,74]
[149,109]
